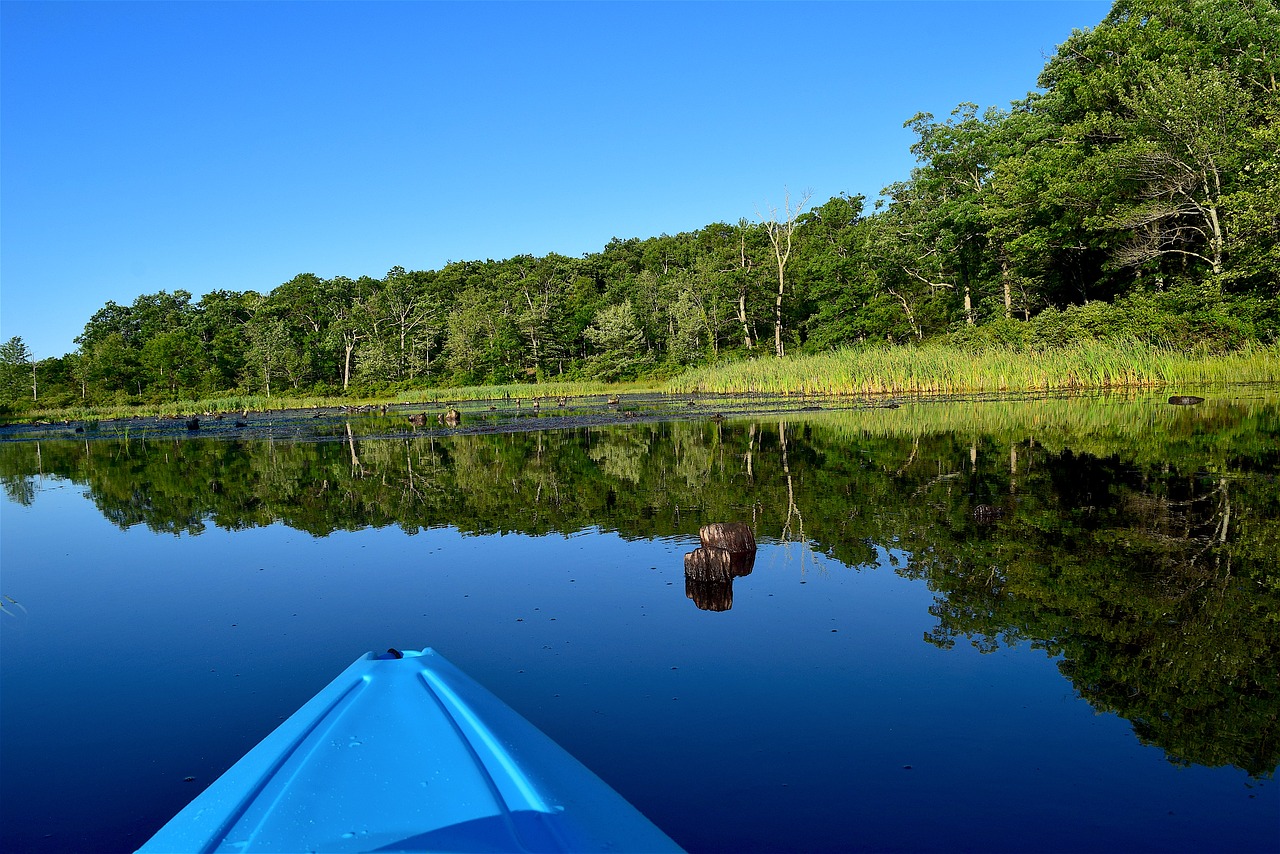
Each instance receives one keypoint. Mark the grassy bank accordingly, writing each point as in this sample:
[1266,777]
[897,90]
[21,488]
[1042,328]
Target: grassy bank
[426,398]
[938,369]
[928,369]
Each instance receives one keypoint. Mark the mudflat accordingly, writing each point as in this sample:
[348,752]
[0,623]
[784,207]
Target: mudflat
[369,421]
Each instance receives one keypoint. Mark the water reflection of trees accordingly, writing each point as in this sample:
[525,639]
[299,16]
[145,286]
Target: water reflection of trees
[1140,553]
[1156,587]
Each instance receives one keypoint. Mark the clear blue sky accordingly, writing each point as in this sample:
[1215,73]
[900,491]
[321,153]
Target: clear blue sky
[156,146]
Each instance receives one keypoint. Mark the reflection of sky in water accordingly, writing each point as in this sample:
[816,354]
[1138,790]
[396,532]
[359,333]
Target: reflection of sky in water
[788,722]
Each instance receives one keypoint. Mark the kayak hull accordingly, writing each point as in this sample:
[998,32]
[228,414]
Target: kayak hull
[408,754]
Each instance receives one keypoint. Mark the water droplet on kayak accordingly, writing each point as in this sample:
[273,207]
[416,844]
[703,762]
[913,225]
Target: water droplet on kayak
[348,835]
[354,744]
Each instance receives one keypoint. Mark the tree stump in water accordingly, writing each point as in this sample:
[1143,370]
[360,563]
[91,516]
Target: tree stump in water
[708,578]
[709,574]
[1185,400]
[733,537]
[708,564]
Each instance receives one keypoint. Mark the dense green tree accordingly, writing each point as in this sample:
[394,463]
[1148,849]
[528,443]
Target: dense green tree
[271,353]
[171,359]
[1253,209]
[307,306]
[481,340]
[17,366]
[906,301]
[221,326]
[617,342]
[1159,104]
[834,264]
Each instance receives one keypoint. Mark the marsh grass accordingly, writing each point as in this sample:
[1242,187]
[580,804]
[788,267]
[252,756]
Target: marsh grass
[942,369]
[523,391]
[927,369]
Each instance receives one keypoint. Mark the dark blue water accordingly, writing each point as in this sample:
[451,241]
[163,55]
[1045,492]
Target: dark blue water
[811,716]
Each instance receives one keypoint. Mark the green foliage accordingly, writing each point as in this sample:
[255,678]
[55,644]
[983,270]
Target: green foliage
[16,363]
[1191,318]
[618,343]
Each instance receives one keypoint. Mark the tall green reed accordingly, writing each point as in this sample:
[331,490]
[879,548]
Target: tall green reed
[932,369]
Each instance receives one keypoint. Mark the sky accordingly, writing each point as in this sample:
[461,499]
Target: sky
[149,146]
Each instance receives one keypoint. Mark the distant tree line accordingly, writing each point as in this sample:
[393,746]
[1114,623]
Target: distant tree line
[1136,195]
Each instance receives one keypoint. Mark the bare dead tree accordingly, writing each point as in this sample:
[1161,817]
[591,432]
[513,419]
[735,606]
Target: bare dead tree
[781,231]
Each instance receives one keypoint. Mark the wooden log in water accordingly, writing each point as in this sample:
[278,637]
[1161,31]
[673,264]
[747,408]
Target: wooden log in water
[708,579]
[735,537]
[1185,400]
[708,564]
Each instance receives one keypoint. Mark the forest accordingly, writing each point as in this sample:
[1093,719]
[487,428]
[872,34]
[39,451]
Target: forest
[1133,196]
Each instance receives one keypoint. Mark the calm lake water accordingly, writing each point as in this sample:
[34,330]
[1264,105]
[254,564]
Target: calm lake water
[976,625]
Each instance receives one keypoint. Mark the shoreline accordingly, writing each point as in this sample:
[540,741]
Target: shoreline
[498,415]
